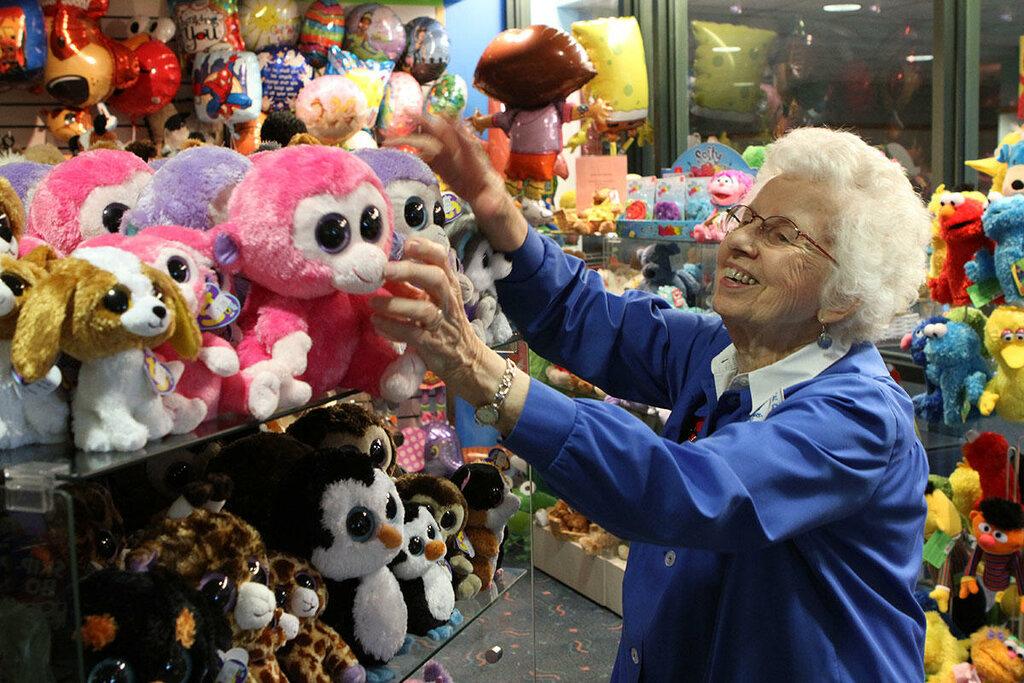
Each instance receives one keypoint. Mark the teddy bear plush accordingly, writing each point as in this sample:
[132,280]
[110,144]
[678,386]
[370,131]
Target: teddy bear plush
[311,227]
[349,424]
[99,530]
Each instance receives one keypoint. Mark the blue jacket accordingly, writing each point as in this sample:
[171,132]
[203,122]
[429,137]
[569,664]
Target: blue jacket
[778,546]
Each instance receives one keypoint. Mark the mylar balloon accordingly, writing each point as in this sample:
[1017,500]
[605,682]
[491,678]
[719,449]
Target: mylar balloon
[402,104]
[323,27]
[226,85]
[729,80]
[371,76]
[447,97]
[266,23]
[67,123]
[529,68]
[332,107]
[158,82]
[426,53]
[22,40]
[206,24]
[373,31]
[616,48]
[284,71]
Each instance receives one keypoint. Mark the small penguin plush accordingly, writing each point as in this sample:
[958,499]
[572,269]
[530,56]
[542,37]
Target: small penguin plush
[491,505]
[424,577]
[345,516]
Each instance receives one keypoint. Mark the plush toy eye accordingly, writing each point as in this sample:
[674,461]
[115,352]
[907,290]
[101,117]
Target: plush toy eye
[984,528]
[178,269]
[14,283]
[333,233]
[392,508]
[371,225]
[1000,537]
[1017,185]
[360,523]
[415,545]
[378,452]
[106,546]
[6,231]
[117,299]
[306,581]
[281,596]
[415,213]
[431,532]
[178,668]
[1007,336]
[112,215]
[940,330]
[219,590]
[112,671]
[448,519]
[485,261]
[257,571]
[438,213]
[1019,335]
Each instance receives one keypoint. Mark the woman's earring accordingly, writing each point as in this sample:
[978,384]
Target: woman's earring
[824,339]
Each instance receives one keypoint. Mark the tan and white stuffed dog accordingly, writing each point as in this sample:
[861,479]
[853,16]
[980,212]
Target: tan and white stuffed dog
[12,218]
[106,308]
[28,414]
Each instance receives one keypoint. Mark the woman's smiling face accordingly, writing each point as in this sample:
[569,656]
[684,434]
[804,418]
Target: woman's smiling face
[763,286]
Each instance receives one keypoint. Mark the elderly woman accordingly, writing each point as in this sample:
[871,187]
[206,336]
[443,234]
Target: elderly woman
[777,522]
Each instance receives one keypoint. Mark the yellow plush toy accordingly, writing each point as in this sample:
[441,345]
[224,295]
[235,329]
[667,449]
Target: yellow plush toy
[966,487]
[997,655]
[1004,339]
[991,166]
[942,651]
[616,49]
[938,255]
[943,517]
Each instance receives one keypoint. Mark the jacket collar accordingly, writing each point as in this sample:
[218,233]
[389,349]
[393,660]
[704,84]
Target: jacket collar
[768,384]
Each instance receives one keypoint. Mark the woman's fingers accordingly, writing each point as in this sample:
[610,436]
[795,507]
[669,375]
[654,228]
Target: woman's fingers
[428,147]
[426,251]
[396,330]
[424,313]
[431,279]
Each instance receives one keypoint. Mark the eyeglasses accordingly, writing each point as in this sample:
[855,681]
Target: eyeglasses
[775,231]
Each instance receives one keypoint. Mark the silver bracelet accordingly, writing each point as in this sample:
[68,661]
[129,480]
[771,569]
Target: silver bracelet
[489,413]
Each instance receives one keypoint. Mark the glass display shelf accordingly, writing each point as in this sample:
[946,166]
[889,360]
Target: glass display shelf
[423,649]
[64,462]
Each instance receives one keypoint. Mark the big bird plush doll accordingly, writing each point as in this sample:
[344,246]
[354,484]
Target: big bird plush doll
[1004,339]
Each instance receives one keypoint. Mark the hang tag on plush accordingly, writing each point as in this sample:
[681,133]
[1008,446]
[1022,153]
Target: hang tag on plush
[41,387]
[1015,270]
[160,376]
[965,410]
[219,308]
[937,548]
[235,667]
[985,292]
[464,544]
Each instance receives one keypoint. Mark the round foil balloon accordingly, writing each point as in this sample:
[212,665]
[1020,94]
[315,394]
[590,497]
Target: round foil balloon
[207,24]
[157,84]
[373,31]
[447,97]
[402,104]
[66,123]
[227,88]
[284,72]
[323,27]
[371,76]
[332,107]
[269,22]
[426,52]
[22,40]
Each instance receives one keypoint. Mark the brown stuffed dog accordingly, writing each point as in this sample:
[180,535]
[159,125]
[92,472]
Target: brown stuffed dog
[106,308]
[39,414]
[12,218]
[348,424]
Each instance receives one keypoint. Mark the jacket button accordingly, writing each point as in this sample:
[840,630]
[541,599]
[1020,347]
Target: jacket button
[670,558]
[634,655]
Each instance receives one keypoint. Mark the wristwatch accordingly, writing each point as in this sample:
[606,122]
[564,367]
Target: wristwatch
[487,415]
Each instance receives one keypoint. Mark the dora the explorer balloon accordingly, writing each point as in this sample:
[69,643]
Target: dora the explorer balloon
[532,70]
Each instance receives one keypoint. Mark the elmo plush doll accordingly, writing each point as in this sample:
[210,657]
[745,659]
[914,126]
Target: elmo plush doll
[960,226]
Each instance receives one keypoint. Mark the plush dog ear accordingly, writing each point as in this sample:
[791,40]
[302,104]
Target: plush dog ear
[11,205]
[36,342]
[41,256]
[186,338]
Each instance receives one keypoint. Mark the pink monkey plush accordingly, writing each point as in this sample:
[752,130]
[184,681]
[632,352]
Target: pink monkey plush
[311,228]
[726,189]
[84,197]
[186,255]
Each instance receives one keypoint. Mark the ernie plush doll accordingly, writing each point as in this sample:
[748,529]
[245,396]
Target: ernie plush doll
[998,526]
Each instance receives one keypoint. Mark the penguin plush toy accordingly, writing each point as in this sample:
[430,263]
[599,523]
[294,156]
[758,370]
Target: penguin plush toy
[345,516]
[424,576]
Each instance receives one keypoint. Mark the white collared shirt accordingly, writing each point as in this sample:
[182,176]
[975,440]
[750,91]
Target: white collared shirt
[767,384]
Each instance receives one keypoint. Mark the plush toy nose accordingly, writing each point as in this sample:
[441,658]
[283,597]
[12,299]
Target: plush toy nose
[160,312]
[390,536]
[71,90]
[905,342]
[650,271]
[435,550]
[987,541]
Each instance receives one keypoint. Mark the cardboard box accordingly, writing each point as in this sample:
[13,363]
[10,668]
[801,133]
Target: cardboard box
[598,578]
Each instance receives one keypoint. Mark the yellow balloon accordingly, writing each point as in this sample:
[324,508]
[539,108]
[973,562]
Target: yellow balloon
[728,62]
[616,49]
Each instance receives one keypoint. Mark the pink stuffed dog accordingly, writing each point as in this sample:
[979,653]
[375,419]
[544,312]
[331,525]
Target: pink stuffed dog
[311,228]
[84,197]
[186,256]
[726,189]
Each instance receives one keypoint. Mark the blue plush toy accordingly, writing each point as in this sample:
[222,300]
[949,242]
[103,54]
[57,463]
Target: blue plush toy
[656,268]
[698,207]
[927,406]
[957,367]
[1003,222]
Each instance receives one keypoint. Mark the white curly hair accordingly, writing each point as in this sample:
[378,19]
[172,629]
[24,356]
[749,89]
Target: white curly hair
[880,231]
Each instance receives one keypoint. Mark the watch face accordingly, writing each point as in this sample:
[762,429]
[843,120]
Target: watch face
[487,415]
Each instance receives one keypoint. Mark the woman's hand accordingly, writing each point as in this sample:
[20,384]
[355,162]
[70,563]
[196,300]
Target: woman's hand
[437,328]
[455,154]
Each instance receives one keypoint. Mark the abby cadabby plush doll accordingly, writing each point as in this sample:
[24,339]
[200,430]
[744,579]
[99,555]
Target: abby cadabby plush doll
[186,256]
[311,228]
[85,196]
[190,189]
[725,190]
